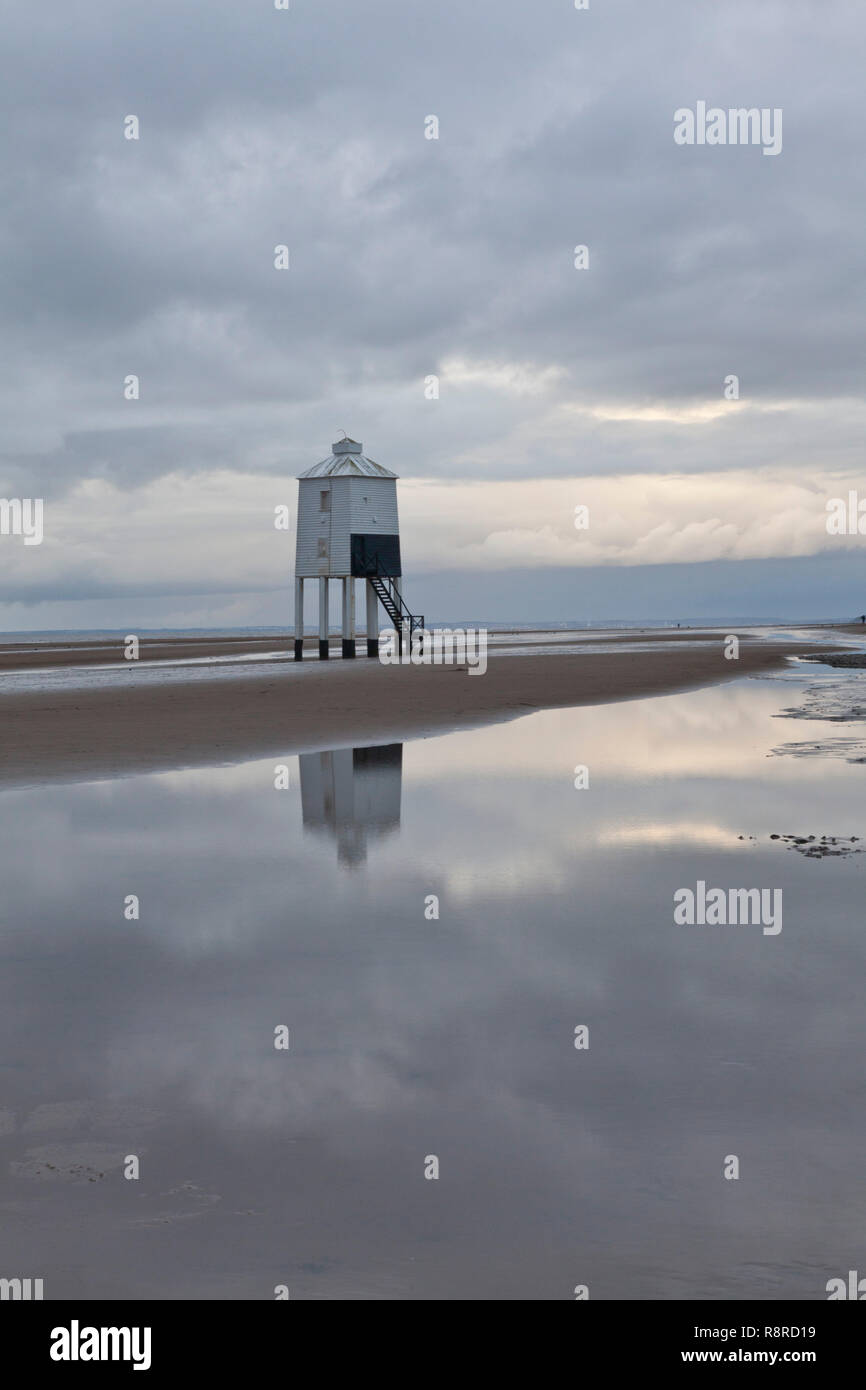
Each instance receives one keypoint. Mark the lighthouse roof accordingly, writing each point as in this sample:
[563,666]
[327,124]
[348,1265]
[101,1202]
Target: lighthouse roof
[347,458]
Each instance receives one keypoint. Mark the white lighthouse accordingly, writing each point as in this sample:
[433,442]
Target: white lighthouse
[347,530]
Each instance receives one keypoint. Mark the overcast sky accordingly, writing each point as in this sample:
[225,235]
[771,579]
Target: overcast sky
[411,257]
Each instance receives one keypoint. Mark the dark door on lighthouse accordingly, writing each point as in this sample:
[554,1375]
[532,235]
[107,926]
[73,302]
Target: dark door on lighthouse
[372,555]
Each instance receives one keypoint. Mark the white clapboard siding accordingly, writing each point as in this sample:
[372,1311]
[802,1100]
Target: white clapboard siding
[312,523]
[340,549]
[373,508]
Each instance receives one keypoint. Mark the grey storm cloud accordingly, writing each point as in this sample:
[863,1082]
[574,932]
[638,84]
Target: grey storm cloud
[408,256]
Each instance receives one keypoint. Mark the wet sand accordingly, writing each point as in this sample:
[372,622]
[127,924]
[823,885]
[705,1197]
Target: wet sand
[71,734]
[109,651]
[105,651]
[844,660]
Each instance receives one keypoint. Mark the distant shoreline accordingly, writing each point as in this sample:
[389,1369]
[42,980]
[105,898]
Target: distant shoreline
[279,708]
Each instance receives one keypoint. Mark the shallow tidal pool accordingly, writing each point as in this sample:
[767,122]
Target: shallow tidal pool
[434,926]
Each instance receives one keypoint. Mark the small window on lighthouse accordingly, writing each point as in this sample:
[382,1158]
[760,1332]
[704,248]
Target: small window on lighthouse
[324,501]
[323,548]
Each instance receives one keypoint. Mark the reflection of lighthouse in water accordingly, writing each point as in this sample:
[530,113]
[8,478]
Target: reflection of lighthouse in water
[353,794]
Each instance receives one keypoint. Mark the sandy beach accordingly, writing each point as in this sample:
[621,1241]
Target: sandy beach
[279,708]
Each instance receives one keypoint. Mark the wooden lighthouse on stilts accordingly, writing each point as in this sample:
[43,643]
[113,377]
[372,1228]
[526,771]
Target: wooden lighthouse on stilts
[347,530]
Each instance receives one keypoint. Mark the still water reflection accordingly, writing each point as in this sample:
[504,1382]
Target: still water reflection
[413,1035]
[352,794]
